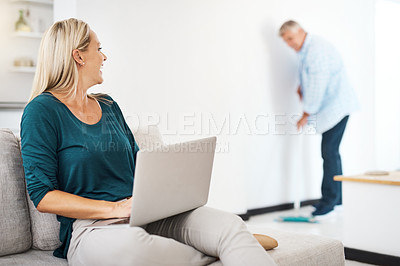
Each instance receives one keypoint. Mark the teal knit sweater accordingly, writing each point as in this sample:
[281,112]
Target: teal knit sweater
[60,152]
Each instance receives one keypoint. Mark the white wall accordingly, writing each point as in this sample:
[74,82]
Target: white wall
[64,9]
[178,62]
[387,86]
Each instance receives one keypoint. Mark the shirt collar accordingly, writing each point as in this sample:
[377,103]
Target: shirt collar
[305,45]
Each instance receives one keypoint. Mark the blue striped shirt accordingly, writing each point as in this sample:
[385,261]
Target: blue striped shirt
[327,93]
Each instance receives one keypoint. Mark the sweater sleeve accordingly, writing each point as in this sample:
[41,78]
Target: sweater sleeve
[39,151]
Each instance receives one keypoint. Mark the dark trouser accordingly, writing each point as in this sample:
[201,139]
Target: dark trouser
[332,190]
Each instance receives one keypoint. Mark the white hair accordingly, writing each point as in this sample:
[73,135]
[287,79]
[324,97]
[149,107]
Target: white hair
[289,25]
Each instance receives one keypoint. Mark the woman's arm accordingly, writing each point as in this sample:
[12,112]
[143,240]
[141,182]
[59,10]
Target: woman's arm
[73,206]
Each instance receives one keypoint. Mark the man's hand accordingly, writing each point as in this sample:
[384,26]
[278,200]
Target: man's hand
[302,121]
[299,93]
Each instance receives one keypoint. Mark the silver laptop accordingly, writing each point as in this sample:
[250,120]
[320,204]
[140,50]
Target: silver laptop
[169,180]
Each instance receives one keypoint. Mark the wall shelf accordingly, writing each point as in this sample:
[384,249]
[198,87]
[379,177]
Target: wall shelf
[12,105]
[23,69]
[37,2]
[23,34]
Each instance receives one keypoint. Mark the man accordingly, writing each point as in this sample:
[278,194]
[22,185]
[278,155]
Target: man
[326,93]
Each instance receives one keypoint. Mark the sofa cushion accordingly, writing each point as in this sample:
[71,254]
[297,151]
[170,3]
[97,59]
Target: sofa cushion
[304,249]
[15,230]
[33,258]
[148,137]
[44,226]
[45,229]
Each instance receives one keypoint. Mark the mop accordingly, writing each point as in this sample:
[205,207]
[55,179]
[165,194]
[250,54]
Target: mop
[299,218]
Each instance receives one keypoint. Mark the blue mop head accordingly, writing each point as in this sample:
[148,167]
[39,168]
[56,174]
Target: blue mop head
[298,219]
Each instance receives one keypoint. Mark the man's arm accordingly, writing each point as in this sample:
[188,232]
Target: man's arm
[300,93]
[315,80]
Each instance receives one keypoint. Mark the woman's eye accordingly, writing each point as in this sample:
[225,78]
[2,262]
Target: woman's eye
[100,48]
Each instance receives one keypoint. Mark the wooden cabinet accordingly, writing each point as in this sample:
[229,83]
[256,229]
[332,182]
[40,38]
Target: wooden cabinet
[371,212]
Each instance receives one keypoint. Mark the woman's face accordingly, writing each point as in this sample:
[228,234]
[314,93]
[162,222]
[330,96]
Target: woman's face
[93,60]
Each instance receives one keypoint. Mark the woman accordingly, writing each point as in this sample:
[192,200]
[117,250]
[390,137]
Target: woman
[79,160]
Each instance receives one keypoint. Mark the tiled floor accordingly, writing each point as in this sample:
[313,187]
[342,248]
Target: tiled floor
[330,225]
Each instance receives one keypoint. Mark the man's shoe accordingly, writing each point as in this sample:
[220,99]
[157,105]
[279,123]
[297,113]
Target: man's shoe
[322,210]
[316,205]
[319,203]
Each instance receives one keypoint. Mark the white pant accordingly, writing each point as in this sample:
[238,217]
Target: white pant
[197,237]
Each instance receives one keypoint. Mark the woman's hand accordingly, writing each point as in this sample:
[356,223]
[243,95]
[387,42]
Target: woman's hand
[122,209]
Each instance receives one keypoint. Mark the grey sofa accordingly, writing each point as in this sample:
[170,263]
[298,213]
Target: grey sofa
[28,237]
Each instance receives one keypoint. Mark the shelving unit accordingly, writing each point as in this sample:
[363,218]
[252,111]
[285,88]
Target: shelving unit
[22,34]
[38,2]
[21,48]
[23,69]
[31,35]
[11,105]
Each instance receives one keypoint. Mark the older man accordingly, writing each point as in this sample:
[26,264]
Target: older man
[326,93]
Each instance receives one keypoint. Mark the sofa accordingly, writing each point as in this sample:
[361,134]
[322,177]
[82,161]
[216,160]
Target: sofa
[28,237]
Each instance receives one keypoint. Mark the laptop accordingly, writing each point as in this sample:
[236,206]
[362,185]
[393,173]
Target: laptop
[169,180]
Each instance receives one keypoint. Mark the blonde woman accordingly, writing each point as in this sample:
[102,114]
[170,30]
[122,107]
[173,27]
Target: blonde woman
[68,174]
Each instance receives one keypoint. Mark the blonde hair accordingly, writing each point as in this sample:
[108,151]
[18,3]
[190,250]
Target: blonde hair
[56,68]
[289,25]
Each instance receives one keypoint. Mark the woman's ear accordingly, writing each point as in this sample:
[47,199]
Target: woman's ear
[76,54]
